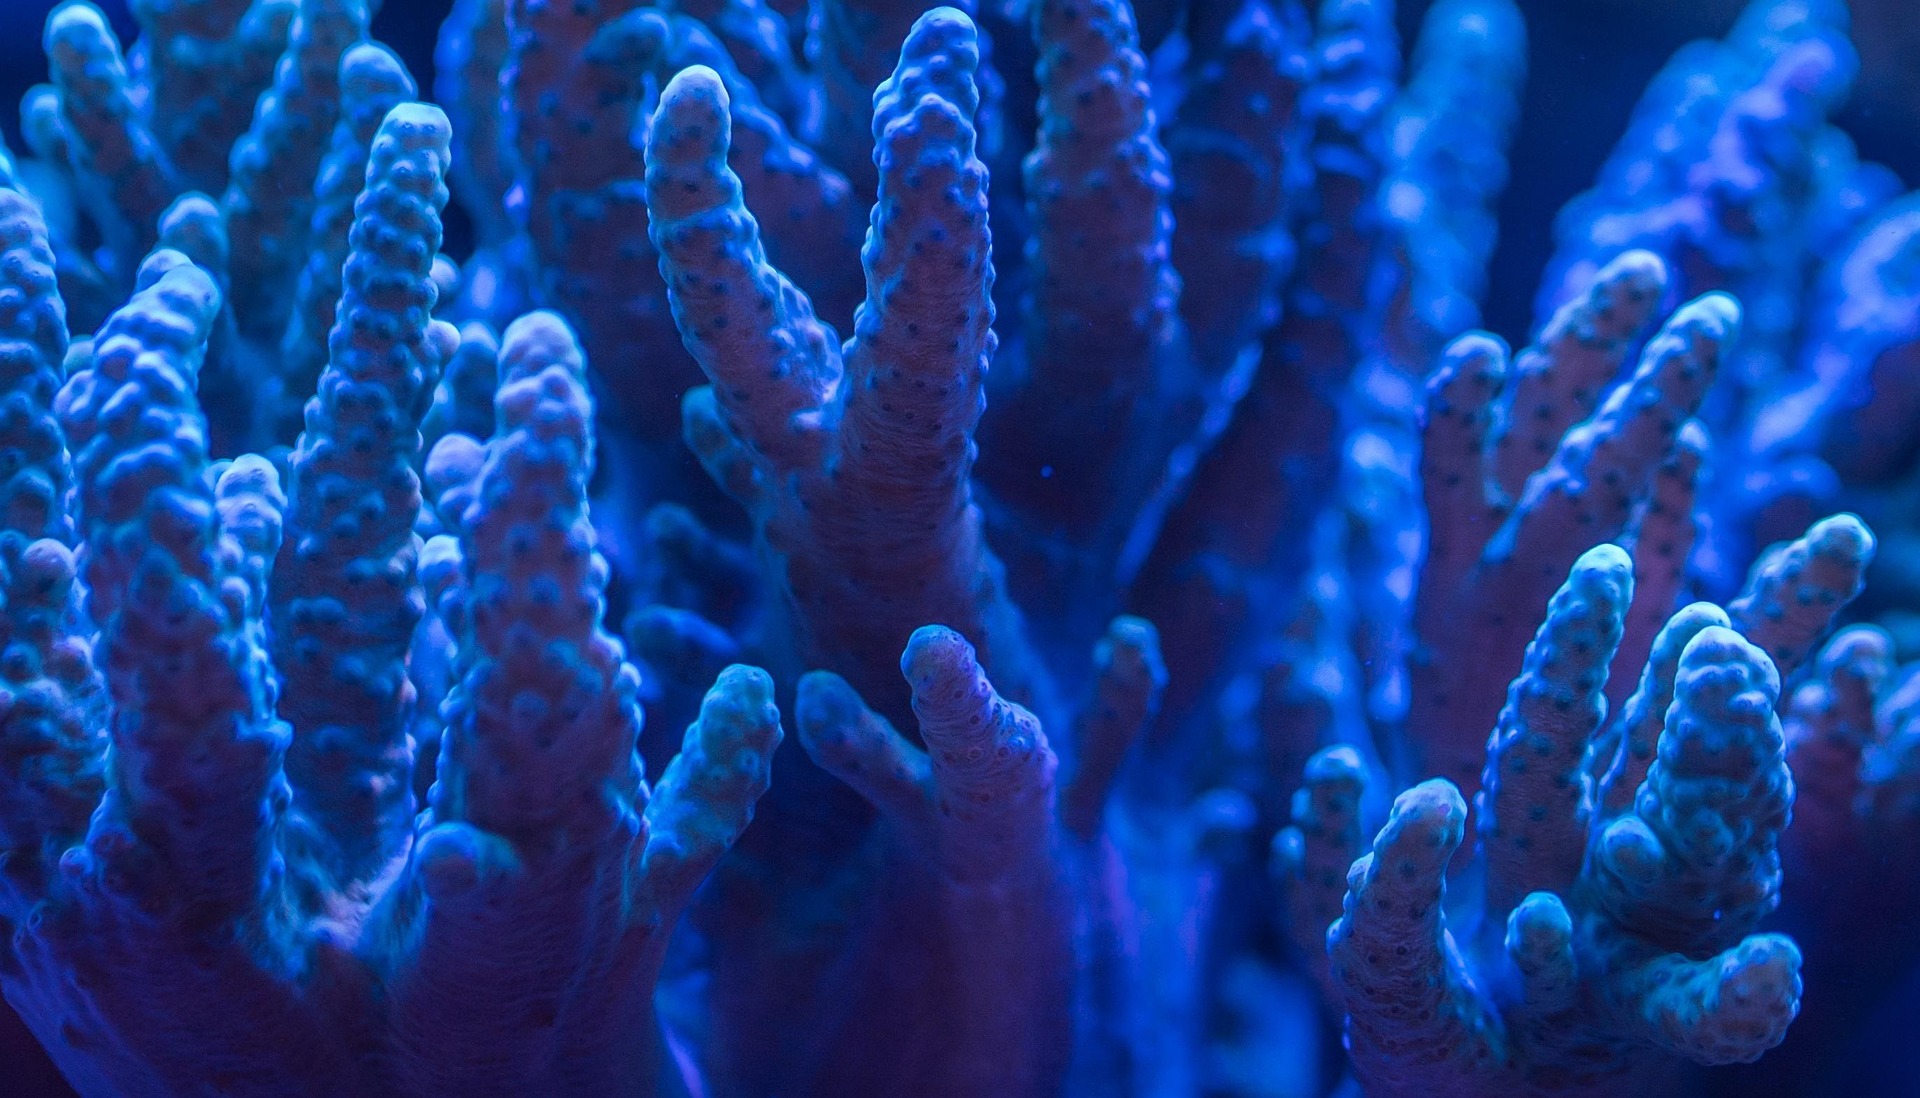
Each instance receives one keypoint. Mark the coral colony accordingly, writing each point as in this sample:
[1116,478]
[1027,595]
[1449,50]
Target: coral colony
[946,552]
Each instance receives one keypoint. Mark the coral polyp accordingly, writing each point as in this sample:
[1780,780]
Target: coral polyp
[946,551]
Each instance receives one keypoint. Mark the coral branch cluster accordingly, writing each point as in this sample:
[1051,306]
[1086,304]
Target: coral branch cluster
[1211,666]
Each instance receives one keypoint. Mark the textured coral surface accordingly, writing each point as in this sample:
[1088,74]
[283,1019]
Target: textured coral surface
[753,548]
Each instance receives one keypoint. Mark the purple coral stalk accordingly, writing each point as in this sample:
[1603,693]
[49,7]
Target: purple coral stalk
[1394,959]
[1610,968]
[270,194]
[148,355]
[206,62]
[1623,755]
[372,82]
[975,811]
[1129,677]
[1590,490]
[121,170]
[1533,807]
[180,859]
[33,349]
[345,601]
[1560,379]
[577,82]
[1828,729]
[463,399]
[811,439]
[1228,561]
[852,45]
[1448,138]
[543,862]
[1664,531]
[50,691]
[1312,855]
[1796,589]
[1694,869]
[470,55]
[1091,413]
[1232,148]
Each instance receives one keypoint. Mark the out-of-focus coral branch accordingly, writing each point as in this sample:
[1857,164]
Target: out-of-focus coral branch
[270,191]
[372,82]
[119,167]
[1101,392]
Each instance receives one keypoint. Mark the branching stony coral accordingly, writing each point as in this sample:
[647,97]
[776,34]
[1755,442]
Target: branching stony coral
[280,901]
[1585,964]
[1157,525]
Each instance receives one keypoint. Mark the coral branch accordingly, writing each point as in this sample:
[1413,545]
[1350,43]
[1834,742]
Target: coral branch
[1232,148]
[372,82]
[1622,756]
[1312,856]
[1534,808]
[345,600]
[121,171]
[1093,410]
[1394,962]
[1128,678]
[877,528]
[270,197]
[195,790]
[1795,591]
[33,349]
